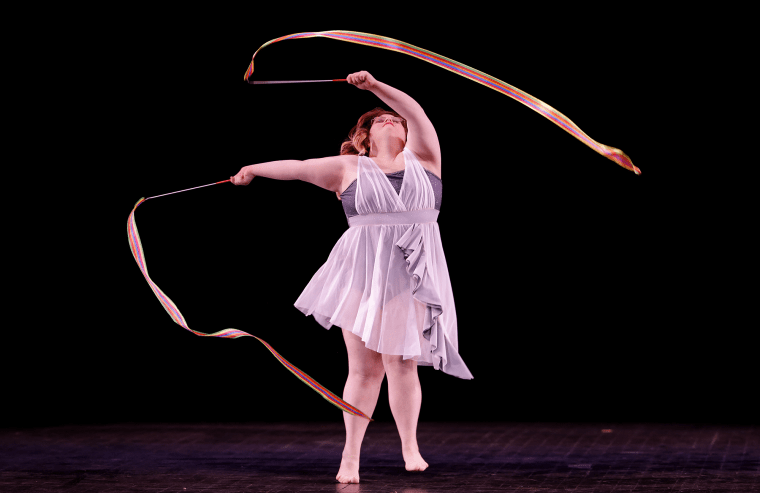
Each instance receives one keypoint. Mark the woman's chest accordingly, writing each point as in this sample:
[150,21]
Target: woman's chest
[399,164]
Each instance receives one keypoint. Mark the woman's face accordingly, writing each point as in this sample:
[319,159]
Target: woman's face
[387,125]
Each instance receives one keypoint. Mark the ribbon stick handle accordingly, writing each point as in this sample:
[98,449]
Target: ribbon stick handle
[292,81]
[185,190]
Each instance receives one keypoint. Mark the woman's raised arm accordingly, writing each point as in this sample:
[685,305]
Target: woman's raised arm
[326,172]
[421,138]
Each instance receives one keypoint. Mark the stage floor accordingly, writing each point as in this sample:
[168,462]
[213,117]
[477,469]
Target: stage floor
[304,457]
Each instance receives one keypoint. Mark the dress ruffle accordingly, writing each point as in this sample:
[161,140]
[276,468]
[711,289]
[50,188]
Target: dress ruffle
[445,356]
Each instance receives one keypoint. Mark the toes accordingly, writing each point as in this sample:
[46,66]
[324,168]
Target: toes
[417,466]
[347,479]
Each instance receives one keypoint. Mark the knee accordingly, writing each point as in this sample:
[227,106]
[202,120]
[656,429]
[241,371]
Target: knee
[367,374]
[397,365]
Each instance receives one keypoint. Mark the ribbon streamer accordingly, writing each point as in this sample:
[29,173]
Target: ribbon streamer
[137,252]
[523,97]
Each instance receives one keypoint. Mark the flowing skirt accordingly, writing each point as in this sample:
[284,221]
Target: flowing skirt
[389,285]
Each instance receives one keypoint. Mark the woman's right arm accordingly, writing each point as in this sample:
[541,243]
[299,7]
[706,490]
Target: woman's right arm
[326,172]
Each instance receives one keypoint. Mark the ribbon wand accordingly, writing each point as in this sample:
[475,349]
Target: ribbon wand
[543,109]
[138,253]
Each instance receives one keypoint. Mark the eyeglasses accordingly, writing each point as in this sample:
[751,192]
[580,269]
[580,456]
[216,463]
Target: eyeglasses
[394,119]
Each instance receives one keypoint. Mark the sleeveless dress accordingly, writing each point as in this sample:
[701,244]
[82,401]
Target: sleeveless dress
[386,279]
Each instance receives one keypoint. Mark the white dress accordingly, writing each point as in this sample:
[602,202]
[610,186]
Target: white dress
[386,279]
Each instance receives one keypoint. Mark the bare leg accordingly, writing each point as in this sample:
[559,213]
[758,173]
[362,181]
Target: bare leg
[405,395]
[365,376]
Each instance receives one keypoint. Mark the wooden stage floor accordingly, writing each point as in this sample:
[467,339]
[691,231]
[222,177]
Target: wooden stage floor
[304,457]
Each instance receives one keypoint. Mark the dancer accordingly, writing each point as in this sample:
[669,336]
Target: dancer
[385,282]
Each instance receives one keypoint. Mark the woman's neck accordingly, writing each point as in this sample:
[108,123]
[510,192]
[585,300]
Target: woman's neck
[386,153]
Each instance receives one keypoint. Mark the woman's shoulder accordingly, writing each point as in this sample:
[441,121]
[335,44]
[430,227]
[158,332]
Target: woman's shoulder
[344,162]
[349,158]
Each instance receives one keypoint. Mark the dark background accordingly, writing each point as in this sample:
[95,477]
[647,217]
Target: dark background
[583,292]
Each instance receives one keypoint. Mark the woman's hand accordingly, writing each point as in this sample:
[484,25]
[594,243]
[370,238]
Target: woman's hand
[362,80]
[243,177]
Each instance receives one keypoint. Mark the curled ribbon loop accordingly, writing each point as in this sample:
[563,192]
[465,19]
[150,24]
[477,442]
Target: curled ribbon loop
[523,97]
[137,252]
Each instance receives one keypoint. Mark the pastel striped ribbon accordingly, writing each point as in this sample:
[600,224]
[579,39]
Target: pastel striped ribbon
[523,97]
[137,252]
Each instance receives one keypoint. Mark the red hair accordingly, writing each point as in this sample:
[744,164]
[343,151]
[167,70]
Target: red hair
[358,137]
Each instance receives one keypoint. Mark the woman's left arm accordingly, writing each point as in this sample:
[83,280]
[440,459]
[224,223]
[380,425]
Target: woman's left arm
[421,138]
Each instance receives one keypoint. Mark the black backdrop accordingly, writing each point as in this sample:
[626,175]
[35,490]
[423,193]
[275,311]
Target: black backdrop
[575,291]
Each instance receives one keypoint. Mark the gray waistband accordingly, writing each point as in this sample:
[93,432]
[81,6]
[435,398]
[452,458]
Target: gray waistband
[406,217]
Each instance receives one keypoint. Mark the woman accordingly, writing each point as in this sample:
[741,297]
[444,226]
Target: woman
[386,282]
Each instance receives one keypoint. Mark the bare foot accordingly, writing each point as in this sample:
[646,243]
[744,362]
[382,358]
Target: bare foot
[349,469]
[413,459]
